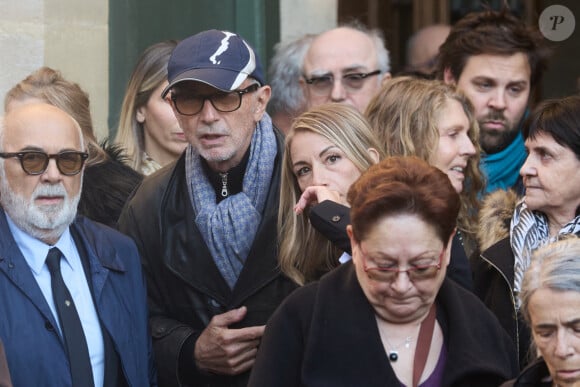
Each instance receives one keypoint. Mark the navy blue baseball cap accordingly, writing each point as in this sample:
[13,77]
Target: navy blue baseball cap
[221,59]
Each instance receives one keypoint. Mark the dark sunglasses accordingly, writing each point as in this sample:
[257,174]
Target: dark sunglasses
[69,163]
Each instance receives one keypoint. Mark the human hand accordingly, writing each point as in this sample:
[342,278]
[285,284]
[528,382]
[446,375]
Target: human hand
[222,350]
[316,194]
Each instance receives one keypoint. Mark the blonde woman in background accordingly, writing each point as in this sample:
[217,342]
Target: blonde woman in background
[328,146]
[429,120]
[148,128]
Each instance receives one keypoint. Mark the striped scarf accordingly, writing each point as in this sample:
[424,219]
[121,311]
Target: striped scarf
[528,231]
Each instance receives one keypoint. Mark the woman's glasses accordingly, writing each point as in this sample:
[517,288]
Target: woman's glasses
[416,272]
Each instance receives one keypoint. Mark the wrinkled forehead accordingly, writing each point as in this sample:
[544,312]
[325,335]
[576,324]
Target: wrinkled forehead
[341,50]
[40,126]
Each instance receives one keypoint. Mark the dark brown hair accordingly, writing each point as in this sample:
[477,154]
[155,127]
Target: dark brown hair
[493,33]
[559,118]
[403,185]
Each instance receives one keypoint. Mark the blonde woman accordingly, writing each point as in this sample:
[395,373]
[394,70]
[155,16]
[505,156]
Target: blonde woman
[148,128]
[329,147]
[429,120]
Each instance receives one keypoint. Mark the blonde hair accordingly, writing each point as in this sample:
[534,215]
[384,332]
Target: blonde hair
[404,116]
[49,86]
[150,72]
[305,254]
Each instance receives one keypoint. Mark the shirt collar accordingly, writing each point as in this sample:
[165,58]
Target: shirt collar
[35,250]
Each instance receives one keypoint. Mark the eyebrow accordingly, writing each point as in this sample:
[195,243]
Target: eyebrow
[326,73]
[322,152]
[567,324]
[522,82]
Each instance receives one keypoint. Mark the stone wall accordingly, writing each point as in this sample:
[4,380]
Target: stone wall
[67,35]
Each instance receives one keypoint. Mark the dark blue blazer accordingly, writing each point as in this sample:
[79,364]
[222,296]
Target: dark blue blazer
[35,353]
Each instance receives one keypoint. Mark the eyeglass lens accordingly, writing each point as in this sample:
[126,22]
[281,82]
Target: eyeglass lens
[351,82]
[191,104]
[68,163]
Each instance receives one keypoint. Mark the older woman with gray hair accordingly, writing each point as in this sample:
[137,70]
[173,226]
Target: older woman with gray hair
[512,228]
[550,304]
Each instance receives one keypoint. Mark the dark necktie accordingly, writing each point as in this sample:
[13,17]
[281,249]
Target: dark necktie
[70,324]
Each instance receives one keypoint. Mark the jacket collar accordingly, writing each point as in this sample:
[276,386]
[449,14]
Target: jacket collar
[182,239]
[90,243]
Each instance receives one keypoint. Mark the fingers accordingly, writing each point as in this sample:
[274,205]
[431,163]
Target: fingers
[224,350]
[240,358]
[308,197]
[316,194]
[228,318]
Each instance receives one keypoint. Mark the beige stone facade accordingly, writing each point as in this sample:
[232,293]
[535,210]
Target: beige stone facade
[68,35]
[72,36]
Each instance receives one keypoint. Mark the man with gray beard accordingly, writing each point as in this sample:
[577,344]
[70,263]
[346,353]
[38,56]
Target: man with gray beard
[72,296]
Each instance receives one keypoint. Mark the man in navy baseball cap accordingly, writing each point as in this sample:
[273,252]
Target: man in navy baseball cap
[206,226]
[220,59]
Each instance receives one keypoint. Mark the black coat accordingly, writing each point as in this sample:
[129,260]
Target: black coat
[107,186]
[534,375]
[185,288]
[330,219]
[325,334]
[493,284]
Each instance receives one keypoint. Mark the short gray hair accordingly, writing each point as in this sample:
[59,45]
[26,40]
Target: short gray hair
[284,73]
[555,266]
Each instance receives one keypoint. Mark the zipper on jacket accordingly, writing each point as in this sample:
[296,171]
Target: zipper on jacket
[224,192]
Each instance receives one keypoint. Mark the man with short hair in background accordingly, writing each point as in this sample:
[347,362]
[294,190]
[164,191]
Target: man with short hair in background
[496,61]
[346,64]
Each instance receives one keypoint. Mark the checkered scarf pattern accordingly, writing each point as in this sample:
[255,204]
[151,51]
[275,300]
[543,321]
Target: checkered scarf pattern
[528,231]
[229,227]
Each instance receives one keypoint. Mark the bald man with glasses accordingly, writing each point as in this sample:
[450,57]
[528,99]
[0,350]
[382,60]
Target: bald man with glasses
[71,290]
[347,65]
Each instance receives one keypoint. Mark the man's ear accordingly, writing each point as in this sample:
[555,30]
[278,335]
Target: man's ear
[263,96]
[386,77]
[448,77]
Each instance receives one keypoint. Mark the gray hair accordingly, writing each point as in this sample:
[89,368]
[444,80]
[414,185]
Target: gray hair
[555,266]
[285,71]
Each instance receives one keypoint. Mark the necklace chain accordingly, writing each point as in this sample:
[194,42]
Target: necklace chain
[394,351]
[407,343]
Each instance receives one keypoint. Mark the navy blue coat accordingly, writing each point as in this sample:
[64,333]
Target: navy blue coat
[36,355]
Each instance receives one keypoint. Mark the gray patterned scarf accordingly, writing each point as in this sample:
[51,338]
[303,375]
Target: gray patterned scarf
[528,231]
[229,228]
